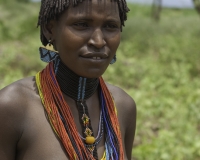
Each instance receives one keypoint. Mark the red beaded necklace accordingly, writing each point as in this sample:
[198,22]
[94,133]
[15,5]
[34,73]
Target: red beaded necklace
[54,103]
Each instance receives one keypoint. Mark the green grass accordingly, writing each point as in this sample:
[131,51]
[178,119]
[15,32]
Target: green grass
[157,64]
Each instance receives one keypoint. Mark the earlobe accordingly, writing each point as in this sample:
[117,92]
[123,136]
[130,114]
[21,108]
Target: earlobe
[49,30]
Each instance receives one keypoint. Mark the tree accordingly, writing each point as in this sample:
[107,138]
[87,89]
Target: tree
[156,9]
[197,5]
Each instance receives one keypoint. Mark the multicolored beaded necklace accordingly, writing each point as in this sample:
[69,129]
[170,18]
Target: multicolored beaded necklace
[68,82]
[54,80]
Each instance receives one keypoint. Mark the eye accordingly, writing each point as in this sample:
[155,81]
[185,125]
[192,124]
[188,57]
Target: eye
[81,25]
[111,26]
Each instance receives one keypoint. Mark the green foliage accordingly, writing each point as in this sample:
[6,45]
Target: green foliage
[19,38]
[157,64]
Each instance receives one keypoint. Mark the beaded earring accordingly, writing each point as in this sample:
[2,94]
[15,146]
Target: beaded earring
[47,53]
[114,59]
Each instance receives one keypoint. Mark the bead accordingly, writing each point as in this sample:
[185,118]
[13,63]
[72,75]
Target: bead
[88,132]
[89,140]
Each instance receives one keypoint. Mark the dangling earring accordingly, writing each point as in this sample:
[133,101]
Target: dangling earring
[114,59]
[47,53]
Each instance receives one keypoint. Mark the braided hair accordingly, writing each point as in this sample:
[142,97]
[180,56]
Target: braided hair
[51,9]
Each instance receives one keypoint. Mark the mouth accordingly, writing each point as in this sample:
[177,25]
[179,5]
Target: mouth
[96,58]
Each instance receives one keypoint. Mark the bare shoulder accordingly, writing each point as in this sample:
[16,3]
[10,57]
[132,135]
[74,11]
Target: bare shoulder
[17,92]
[14,97]
[122,99]
[13,102]
[125,105]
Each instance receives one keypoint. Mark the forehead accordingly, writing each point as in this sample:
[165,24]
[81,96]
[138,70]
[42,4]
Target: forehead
[94,7]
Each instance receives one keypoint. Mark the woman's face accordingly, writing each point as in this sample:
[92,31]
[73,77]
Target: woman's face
[87,36]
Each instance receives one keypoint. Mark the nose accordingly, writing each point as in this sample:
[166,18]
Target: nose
[97,39]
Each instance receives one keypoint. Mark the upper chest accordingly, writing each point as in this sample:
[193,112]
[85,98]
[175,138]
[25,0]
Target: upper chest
[39,141]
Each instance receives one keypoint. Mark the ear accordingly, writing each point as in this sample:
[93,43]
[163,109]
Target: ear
[49,30]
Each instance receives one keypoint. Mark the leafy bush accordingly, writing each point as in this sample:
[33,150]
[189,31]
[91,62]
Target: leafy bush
[158,64]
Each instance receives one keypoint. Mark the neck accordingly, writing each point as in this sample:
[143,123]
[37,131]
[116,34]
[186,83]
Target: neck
[77,87]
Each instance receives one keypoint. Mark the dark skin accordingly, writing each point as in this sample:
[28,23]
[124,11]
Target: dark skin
[25,132]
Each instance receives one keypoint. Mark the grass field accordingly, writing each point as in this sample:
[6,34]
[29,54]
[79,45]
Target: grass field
[158,64]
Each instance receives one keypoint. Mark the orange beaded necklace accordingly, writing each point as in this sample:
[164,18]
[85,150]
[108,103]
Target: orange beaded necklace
[55,105]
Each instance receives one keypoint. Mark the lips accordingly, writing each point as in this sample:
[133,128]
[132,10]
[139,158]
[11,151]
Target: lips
[95,56]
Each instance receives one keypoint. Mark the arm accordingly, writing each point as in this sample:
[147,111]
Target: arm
[126,110]
[9,123]
[130,130]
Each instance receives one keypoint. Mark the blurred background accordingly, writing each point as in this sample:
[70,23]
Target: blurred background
[158,64]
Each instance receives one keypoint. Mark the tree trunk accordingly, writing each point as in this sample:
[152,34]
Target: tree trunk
[156,9]
[197,5]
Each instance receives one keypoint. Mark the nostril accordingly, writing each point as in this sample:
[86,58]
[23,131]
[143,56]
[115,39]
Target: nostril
[97,39]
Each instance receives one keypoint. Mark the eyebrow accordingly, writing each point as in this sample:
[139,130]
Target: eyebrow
[88,18]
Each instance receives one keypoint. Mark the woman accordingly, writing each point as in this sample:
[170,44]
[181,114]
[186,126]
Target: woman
[67,111]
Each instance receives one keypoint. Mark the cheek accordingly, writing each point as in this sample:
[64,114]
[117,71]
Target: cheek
[114,42]
[69,42]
